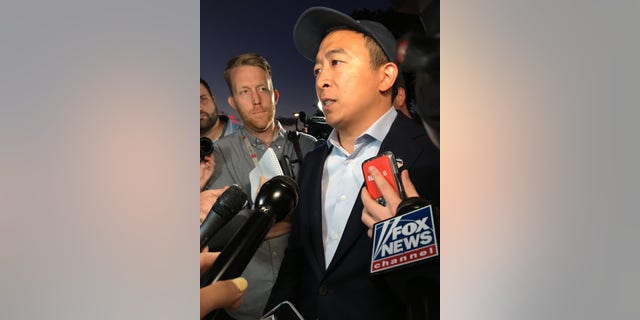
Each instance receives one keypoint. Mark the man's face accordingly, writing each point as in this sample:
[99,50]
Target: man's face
[208,110]
[345,83]
[253,98]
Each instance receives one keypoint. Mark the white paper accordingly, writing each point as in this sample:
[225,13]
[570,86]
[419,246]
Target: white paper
[269,167]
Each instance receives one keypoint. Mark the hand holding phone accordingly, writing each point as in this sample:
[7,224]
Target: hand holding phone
[387,165]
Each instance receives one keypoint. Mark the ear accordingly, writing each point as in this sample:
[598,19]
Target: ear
[389,75]
[276,96]
[232,103]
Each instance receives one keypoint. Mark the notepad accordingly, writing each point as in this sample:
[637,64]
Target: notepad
[269,167]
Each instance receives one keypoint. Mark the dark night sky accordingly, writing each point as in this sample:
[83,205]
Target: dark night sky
[229,28]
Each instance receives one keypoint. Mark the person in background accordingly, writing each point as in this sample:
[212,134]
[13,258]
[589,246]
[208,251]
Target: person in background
[253,96]
[212,124]
[401,99]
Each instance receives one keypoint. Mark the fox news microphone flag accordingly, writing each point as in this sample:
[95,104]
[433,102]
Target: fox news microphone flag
[405,258]
[404,240]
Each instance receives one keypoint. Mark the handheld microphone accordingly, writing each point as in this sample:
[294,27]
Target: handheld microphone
[228,204]
[416,203]
[409,204]
[276,199]
[405,257]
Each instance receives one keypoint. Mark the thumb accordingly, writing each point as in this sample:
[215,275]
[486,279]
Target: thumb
[222,294]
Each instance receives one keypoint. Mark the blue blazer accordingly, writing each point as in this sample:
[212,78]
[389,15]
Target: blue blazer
[343,290]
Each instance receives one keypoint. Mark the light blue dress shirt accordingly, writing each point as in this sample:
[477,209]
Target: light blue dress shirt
[342,179]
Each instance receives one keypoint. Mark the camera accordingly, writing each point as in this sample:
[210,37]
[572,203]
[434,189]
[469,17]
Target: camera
[316,125]
[206,147]
[419,54]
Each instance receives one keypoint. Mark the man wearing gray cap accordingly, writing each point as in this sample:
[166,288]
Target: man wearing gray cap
[325,269]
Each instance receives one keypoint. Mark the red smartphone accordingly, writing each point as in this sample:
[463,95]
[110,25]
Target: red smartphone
[387,165]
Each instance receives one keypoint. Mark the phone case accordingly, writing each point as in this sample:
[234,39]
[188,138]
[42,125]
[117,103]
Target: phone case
[386,164]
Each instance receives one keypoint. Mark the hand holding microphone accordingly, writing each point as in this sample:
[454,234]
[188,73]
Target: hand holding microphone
[276,199]
[402,244]
[207,199]
[222,294]
[226,206]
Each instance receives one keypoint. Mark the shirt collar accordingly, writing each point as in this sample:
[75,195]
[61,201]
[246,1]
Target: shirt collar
[279,133]
[378,130]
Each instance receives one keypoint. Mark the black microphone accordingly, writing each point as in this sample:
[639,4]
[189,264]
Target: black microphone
[228,204]
[405,257]
[276,199]
[409,204]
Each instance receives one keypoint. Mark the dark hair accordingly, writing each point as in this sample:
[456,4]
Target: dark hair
[246,59]
[376,54]
[206,85]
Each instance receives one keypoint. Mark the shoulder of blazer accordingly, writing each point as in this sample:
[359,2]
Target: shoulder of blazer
[318,153]
[403,127]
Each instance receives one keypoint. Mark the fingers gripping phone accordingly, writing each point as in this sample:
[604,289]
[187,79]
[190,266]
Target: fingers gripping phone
[387,165]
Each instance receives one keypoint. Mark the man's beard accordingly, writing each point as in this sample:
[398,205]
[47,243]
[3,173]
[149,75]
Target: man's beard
[207,123]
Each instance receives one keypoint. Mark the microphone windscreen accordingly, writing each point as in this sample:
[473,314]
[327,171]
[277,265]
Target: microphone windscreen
[410,204]
[230,202]
[279,195]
